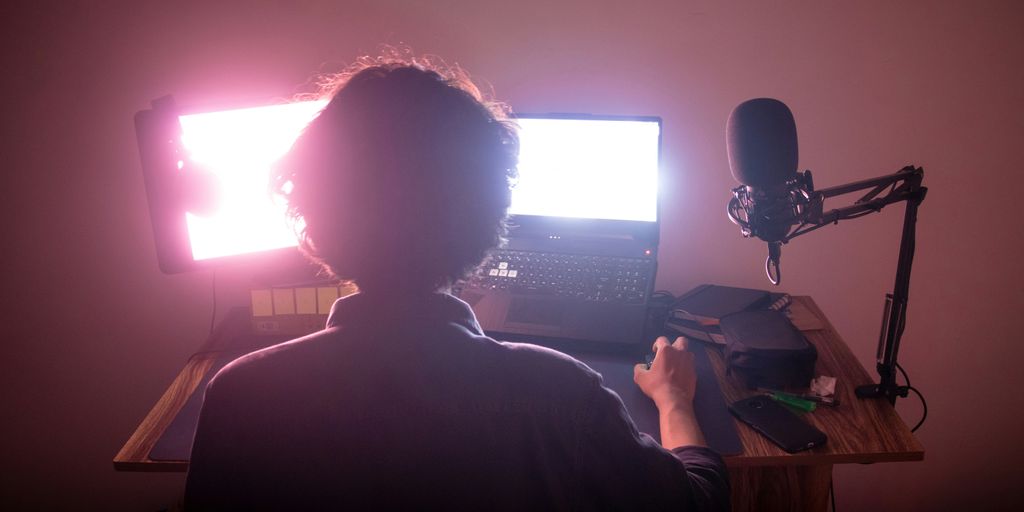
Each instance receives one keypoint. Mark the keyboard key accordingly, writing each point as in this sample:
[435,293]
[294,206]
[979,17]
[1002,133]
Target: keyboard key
[593,278]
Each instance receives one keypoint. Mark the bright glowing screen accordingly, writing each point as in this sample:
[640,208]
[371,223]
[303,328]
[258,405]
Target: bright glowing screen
[593,168]
[601,169]
[238,148]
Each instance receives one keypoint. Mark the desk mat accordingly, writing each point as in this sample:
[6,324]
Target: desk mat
[713,415]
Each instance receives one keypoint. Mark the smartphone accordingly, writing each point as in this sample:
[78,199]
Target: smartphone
[780,425]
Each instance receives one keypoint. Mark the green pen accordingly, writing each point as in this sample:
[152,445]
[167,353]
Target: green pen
[828,401]
[793,401]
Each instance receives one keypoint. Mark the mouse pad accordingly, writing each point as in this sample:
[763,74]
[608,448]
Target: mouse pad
[713,415]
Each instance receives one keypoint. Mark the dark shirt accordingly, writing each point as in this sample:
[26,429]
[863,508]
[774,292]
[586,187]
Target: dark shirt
[406,404]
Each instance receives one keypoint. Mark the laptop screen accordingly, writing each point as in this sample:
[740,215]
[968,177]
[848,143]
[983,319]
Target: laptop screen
[602,168]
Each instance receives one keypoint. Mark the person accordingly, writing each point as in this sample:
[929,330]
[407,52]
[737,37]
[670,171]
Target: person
[401,186]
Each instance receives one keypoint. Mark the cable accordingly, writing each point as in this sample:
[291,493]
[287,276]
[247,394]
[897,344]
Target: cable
[659,306]
[904,372]
[920,396]
[924,403]
[802,230]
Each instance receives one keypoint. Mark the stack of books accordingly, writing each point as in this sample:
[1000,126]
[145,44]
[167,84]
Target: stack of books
[697,313]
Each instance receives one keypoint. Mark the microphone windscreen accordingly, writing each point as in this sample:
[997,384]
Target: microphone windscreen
[761,140]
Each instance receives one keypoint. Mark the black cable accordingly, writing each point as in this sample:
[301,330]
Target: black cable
[904,372]
[797,232]
[861,214]
[658,309]
[920,396]
[924,405]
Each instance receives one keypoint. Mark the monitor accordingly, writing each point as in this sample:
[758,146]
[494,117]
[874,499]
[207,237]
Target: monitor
[207,181]
[207,175]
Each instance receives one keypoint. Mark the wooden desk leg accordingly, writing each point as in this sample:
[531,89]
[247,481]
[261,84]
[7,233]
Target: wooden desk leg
[782,488]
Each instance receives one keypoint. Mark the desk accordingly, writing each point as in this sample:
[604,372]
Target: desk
[859,431]
[232,334]
[763,476]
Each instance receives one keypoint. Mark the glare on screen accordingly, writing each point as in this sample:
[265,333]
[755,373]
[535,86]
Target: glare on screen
[238,147]
[567,168]
[598,169]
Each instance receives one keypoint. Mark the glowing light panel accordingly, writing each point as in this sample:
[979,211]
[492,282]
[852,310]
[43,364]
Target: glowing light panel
[597,169]
[238,147]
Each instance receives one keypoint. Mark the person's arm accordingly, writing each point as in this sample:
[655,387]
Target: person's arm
[625,469]
[671,382]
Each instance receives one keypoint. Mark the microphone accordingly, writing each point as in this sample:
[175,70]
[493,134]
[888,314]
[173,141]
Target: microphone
[762,145]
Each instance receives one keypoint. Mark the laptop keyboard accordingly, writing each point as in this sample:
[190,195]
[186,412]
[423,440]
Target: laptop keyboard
[586,277]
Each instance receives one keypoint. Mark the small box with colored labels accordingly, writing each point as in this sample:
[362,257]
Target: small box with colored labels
[294,311]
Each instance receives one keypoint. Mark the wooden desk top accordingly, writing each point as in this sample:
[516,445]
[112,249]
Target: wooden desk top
[134,455]
[858,430]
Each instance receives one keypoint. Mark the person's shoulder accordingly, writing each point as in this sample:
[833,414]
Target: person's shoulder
[548,366]
[538,353]
[272,364]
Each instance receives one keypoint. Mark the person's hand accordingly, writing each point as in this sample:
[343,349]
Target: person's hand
[671,379]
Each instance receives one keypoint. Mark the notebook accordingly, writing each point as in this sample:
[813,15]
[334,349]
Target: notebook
[582,252]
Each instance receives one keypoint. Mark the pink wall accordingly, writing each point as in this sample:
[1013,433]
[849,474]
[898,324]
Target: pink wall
[99,333]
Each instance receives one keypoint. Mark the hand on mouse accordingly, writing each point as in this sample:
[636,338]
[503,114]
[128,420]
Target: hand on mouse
[671,382]
[671,379]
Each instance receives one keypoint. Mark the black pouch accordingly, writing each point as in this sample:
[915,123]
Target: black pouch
[764,349]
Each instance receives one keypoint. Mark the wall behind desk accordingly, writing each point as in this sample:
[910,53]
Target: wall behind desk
[94,333]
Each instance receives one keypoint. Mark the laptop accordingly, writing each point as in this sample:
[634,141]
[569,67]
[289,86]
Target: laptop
[581,256]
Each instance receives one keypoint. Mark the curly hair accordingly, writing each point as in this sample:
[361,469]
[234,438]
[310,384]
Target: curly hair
[404,178]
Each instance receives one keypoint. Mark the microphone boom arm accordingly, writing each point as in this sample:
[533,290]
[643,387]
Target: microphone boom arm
[904,185]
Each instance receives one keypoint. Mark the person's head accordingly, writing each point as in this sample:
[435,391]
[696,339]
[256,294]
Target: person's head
[404,178]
